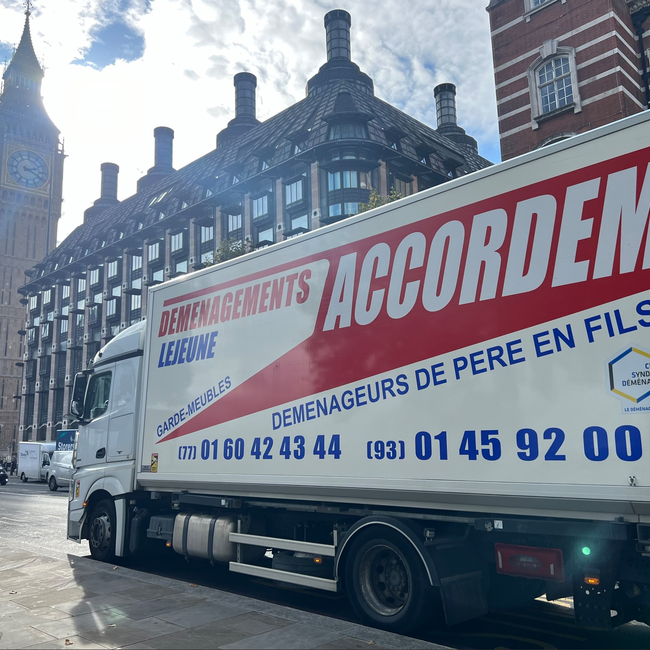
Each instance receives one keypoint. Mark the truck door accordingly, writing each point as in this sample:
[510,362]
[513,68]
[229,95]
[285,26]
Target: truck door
[45,465]
[93,439]
[120,431]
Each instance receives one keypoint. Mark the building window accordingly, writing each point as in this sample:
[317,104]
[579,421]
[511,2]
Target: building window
[181,266]
[333,181]
[206,244]
[93,277]
[207,234]
[177,242]
[136,272]
[47,296]
[136,308]
[534,5]
[554,82]
[265,236]
[153,252]
[233,225]
[111,269]
[401,186]
[65,291]
[335,210]
[261,207]
[294,192]
[300,222]
[341,131]
[33,303]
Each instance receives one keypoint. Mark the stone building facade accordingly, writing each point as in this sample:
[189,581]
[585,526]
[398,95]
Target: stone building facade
[31,178]
[563,67]
[309,166]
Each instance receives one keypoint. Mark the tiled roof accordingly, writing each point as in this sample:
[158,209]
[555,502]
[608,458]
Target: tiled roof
[274,140]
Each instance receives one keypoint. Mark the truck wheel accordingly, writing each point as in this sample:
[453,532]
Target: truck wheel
[101,532]
[386,582]
[23,478]
[52,483]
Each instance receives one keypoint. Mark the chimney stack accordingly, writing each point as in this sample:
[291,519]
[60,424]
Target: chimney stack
[108,196]
[337,29]
[109,181]
[245,84]
[339,63]
[164,152]
[445,96]
[163,156]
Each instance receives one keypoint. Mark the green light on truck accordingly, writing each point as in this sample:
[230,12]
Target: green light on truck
[586,550]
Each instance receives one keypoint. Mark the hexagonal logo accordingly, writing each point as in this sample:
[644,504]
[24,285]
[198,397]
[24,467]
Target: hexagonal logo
[629,379]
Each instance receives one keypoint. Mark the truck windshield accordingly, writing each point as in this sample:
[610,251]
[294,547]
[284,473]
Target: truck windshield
[97,396]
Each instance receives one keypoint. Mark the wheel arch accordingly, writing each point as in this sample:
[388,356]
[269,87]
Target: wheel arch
[391,523]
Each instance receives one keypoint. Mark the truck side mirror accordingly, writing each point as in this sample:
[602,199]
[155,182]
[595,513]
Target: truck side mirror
[78,394]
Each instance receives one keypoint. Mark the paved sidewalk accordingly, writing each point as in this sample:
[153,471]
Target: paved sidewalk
[51,603]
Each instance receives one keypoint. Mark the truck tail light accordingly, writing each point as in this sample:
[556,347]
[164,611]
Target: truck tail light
[530,561]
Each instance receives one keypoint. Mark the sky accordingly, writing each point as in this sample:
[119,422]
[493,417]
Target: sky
[117,69]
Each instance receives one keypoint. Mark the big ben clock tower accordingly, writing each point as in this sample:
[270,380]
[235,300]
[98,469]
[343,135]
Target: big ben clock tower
[31,178]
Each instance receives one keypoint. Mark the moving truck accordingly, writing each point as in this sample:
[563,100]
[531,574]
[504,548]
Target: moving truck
[34,460]
[440,405]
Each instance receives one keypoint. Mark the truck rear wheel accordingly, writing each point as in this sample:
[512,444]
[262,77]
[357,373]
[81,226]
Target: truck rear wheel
[386,582]
[23,478]
[101,531]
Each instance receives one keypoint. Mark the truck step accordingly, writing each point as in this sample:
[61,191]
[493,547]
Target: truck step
[285,544]
[300,579]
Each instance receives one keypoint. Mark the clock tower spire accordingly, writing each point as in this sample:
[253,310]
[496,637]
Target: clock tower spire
[31,179]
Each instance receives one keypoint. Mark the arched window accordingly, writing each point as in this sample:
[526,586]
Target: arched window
[554,83]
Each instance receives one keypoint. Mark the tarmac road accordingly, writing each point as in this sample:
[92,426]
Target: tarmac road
[34,518]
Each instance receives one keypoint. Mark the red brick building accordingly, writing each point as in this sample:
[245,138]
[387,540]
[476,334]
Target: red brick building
[566,66]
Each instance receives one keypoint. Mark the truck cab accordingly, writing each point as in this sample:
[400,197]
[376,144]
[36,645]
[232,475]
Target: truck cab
[105,400]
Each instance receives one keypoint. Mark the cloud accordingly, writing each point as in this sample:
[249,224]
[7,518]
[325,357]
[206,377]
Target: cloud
[171,63]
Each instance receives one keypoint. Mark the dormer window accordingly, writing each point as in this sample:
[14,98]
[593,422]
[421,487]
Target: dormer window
[351,130]
[394,145]
[264,165]
[235,179]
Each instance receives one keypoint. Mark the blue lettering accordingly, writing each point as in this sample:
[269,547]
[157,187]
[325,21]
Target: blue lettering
[539,342]
[592,327]
[512,351]
[170,350]
[211,344]
[476,358]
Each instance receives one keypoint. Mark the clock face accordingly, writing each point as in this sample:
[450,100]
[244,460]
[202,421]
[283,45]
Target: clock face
[28,169]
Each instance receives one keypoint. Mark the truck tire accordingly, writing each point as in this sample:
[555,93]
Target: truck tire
[53,484]
[23,478]
[101,531]
[386,582]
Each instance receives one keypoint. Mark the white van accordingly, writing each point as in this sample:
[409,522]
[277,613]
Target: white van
[60,471]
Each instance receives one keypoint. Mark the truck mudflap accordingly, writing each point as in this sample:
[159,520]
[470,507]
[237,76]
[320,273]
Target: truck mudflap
[461,578]
[451,563]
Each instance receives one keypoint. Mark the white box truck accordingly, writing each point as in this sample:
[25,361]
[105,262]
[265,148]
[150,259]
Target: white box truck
[34,460]
[443,401]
